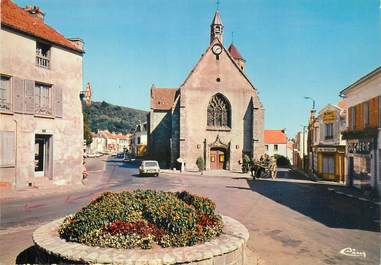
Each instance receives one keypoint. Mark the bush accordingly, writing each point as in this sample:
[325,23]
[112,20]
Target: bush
[200,163]
[282,161]
[246,162]
[142,218]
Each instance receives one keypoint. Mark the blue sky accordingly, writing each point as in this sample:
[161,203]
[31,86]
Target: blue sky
[293,48]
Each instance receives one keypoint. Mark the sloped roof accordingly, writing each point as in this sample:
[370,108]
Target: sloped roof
[234,52]
[16,18]
[217,18]
[275,137]
[162,98]
[366,77]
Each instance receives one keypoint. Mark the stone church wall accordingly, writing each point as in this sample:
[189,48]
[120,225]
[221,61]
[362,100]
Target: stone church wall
[196,94]
[159,137]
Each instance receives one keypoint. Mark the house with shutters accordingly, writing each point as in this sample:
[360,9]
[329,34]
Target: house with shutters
[328,147]
[41,123]
[363,132]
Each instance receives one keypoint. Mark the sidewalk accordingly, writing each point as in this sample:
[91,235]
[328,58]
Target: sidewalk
[209,173]
[47,187]
[341,188]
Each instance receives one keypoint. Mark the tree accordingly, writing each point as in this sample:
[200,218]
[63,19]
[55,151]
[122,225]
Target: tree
[86,129]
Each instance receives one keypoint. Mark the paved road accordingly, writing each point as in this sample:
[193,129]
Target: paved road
[290,222]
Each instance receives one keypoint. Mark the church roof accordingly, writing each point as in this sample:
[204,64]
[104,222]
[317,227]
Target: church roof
[229,55]
[275,137]
[162,98]
[217,18]
[18,19]
[234,52]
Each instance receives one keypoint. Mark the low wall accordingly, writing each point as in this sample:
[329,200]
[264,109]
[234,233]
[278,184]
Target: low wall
[227,249]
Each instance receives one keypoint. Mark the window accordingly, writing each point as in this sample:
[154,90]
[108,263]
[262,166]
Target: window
[329,131]
[219,112]
[366,114]
[275,147]
[5,94]
[42,55]
[139,140]
[42,99]
[7,149]
[267,147]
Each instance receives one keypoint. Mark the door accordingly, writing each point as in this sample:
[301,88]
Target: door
[217,159]
[328,167]
[39,157]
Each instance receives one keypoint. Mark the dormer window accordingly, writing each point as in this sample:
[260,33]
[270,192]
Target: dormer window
[43,55]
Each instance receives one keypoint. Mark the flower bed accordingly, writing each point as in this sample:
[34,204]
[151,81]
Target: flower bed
[143,218]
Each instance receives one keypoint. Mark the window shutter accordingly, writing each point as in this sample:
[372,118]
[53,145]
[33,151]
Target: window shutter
[350,110]
[18,94]
[58,108]
[7,149]
[29,96]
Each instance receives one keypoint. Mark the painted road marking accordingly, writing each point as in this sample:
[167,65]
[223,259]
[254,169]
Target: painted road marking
[352,252]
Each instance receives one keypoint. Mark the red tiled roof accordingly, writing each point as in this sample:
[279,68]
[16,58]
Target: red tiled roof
[234,52]
[15,17]
[162,98]
[275,137]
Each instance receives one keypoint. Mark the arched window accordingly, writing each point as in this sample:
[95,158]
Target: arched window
[219,112]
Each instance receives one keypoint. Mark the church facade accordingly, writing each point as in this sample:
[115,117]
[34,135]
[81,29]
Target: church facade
[215,114]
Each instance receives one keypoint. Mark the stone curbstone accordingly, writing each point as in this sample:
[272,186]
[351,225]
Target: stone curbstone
[227,249]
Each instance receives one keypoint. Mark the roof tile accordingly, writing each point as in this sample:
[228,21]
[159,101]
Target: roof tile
[275,137]
[162,98]
[15,17]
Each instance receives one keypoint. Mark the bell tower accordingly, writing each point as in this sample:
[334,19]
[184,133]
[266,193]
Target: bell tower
[216,28]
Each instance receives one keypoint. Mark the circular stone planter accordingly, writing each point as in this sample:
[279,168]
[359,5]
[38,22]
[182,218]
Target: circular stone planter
[227,249]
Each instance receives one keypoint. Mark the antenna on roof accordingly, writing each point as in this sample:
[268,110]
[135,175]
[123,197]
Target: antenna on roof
[232,37]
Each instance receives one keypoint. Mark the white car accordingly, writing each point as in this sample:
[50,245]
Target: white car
[149,167]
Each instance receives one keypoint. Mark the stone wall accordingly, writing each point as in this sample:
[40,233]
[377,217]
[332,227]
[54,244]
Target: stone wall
[227,249]
[159,137]
[209,77]
[18,54]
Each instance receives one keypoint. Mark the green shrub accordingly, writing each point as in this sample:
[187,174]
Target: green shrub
[200,163]
[282,161]
[246,162]
[142,218]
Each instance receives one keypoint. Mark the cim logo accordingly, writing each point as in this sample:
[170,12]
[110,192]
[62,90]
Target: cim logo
[353,252]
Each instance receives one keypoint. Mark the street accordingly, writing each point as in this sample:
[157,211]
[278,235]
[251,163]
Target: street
[291,221]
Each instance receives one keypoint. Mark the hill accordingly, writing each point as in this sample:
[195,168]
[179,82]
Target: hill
[106,116]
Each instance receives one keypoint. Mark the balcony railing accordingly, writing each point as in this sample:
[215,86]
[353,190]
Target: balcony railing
[42,61]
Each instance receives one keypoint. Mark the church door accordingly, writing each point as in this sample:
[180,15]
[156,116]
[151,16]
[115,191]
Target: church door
[217,159]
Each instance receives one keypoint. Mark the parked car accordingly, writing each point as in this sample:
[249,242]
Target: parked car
[149,167]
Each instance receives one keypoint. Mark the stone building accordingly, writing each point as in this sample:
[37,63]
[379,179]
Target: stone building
[328,145]
[41,123]
[363,133]
[215,114]
[139,140]
[276,142]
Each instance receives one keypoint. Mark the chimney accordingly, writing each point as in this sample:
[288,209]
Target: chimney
[78,42]
[35,11]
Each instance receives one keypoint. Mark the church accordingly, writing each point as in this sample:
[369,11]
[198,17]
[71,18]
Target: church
[215,114]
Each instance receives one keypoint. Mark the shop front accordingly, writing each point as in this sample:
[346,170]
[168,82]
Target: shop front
[331,163]
[362,162]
